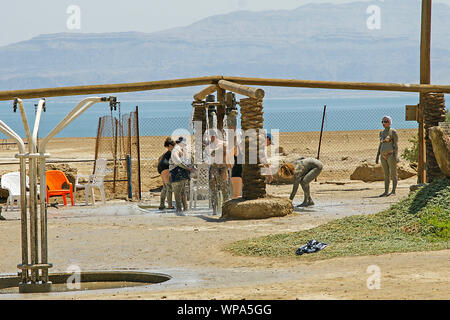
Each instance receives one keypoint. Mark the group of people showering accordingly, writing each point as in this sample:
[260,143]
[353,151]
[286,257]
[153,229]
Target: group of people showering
[175,167]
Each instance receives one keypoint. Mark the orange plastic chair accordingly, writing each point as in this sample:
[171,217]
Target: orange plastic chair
[58,185]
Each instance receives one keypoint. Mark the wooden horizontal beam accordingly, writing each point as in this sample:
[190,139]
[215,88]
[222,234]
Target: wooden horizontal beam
[205,92]
[340,85]
[107,88]
[255,93]
[234,84]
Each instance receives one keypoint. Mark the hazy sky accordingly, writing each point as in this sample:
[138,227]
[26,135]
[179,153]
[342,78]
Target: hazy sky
[24,19]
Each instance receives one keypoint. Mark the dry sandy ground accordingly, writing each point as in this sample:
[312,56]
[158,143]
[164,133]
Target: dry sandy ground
[190,250]
[120,236]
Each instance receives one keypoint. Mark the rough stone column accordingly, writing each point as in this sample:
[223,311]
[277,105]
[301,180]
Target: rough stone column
[434,112]
[200,115]
[253,183]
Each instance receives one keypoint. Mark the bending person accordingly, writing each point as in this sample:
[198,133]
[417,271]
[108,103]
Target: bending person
[388,149]
[304,170]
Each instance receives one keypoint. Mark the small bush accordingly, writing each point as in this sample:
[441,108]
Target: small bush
[411,154]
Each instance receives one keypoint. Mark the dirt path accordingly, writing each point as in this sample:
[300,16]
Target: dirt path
[190,250]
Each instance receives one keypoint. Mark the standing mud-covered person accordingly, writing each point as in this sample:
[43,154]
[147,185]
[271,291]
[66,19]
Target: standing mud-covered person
[219,159]
[388,150]
[163,170]
[179,174]
[304,170]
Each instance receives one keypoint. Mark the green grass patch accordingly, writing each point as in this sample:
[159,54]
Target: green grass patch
[420,222]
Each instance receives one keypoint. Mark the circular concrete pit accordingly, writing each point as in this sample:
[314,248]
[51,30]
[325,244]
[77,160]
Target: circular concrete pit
[95,280]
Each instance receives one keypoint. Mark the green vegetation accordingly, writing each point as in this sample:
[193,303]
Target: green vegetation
[420,222]
[411,154]
[447,116]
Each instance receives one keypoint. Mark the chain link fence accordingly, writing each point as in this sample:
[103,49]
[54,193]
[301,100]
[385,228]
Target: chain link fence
[350,138]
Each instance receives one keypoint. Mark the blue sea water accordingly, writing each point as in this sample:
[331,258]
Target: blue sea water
[287,115]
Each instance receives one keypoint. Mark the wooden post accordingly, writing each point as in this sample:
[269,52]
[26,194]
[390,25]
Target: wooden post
[107,88]
[425,78]
[254,93]
[205,92]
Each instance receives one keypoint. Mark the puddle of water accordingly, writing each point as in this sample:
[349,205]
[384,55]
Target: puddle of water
[62,287]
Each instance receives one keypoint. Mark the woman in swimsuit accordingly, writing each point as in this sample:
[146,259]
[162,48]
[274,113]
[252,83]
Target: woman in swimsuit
[388,150]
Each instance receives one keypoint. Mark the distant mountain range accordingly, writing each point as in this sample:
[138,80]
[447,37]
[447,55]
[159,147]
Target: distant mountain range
[314,41]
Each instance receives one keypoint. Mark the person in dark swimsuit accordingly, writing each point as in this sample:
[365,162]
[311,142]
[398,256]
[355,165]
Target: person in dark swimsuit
[179,174]
[163,170]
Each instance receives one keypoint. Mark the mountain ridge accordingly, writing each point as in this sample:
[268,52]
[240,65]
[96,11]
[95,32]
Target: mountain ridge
[313,41]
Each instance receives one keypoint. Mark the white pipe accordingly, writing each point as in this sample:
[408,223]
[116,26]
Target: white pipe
[32,173]
[43,191]
[23,194]
[36,124]
[11,133]
[25,124]
[75,113]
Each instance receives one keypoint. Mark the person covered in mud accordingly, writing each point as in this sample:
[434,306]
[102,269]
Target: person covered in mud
[163,170]
[179,173]
[304,170]
[218,157]
[388,150]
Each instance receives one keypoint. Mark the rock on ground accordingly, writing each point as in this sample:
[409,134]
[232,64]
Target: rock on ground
[441,148]
[268,207]
[373,172]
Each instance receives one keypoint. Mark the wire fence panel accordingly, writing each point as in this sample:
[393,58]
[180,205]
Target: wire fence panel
[117,138]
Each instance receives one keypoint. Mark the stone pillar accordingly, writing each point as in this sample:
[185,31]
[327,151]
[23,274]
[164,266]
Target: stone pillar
[434,112]
[253,183]
[200,115]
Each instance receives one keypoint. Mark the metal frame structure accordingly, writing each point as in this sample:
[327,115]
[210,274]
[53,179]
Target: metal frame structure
[34,268]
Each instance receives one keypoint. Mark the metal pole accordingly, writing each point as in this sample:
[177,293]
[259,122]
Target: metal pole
[23,197]
[130,190]
[138,152]
[34,245]
[425,78]
[115,156]
[97,142]
[43,192]
[321,133]
[321,130]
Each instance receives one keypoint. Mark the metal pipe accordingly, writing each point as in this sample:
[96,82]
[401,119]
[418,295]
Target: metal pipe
[71,116]
[43,191]
[32,168]
[23,196]
[25,122]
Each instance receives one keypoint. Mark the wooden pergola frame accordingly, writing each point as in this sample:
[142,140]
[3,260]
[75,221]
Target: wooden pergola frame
[237,84]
